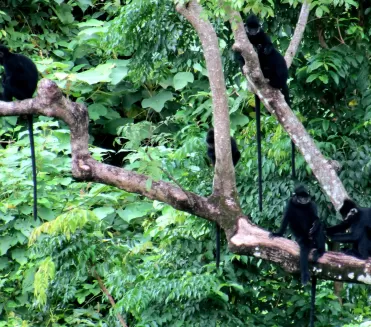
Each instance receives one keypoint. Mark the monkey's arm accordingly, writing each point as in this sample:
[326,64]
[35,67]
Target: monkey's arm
[314,208]
[284,224]
[340,228]
[267,45]
[315,227]
[239,59]
[347,237]
[236,154]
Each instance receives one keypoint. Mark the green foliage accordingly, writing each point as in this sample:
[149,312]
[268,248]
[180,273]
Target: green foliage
[65,224]
[139,68]
[156,24]
[157,102]
[45,273]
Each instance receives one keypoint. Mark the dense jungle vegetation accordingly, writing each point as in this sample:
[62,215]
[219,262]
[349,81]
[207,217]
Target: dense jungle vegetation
[139,68]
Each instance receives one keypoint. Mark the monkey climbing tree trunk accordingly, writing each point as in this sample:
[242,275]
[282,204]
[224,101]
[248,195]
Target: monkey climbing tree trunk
[274,102]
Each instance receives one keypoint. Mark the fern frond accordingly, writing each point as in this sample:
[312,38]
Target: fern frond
[43,276]
[67,224]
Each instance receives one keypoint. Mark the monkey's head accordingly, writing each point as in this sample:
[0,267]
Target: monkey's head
[4,51]
[301,195]
[252,25]
[349,207]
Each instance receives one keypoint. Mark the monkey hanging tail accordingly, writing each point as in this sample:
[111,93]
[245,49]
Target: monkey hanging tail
[33,162]
[313,300]
[285,92]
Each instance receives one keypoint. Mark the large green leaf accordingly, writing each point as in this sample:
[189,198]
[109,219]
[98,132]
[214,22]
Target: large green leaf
[99,74]
[91,22]
[103,212]
[158,101]
[119,70]
[135,210]
[63,11]
[97,110]
[5,243]
[182,79]
[4,263]
[20,255]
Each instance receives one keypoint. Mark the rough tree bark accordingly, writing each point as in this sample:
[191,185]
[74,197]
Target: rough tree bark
[243,236]
[298,34]
[224,178]
[274,102]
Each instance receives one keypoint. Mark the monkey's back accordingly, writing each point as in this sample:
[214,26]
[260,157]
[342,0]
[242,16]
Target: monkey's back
[301,218]
[274,67]
[23,75]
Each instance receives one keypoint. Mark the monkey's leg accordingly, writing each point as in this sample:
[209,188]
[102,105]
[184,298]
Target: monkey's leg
[259,146]
[304,270]
[7,94]
[33,161]
[363,247]
[320,243]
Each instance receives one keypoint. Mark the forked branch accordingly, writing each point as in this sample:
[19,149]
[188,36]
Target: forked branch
[274,102]
[224,178]
[243,236]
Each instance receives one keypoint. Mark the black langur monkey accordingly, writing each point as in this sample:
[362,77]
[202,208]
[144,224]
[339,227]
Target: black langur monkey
[301,214]
[302,217]
[20,81]
[272,63]
[274,68]
[236,155]
[358,221]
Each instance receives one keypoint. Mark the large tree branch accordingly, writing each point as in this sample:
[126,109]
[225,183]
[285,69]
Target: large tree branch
[274,102]
[224,178]
[252,240]
[247,238]
[243,236]
[51,102]
[298,34]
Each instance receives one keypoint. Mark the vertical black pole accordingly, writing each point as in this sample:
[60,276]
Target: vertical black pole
[33,162]
[293,171]
[259,146]
[313,300]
